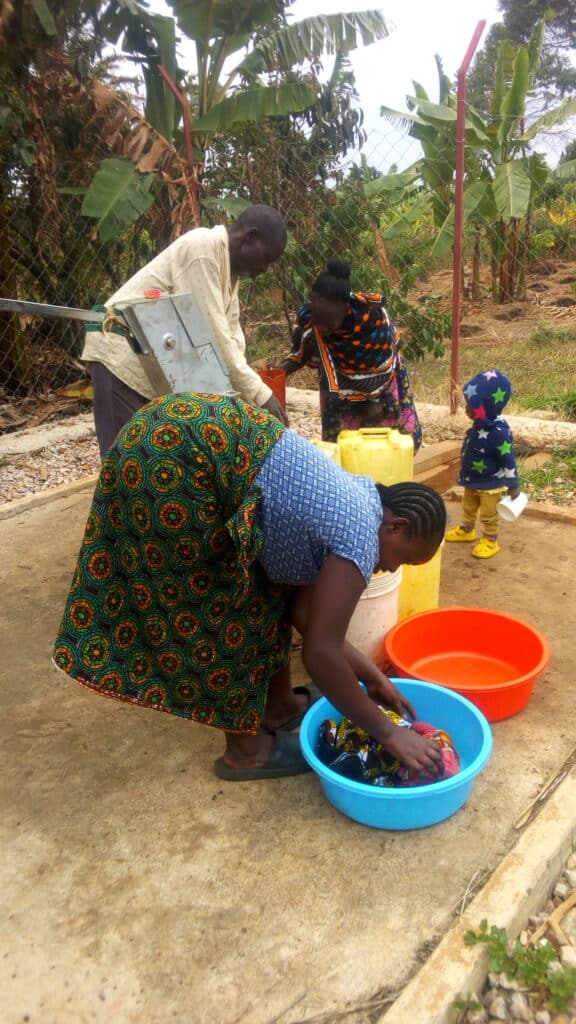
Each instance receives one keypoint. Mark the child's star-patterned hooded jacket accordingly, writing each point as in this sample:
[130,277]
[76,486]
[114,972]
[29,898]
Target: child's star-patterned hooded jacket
[487,460]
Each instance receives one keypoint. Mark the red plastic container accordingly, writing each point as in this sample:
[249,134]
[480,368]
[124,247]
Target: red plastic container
[491,658]
[275,379]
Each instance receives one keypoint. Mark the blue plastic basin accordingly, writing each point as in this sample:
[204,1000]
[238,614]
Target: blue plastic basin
[414,806]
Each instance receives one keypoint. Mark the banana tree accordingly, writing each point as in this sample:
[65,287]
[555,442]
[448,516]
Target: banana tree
[263,48]
[249,64]
[503,175]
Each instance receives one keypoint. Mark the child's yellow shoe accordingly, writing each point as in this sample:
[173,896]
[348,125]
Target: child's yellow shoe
[457,533]
[485,548]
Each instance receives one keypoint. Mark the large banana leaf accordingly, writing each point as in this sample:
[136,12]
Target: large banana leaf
[438,174]
[444,83]
[419,91]
[539,175]
[503,74]
[513,106]
[310,38]
[512,189]
[477,124]
[204,20]
[535,47]
[254,105]
[550,119]
[389,183]
[473,196]
[566,171]
[404,224]
[401,118]
[434,116]
[118,195]
[160,101]
[436,111]
[45,17]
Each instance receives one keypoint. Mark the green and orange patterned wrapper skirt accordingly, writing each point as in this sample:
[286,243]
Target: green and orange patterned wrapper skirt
[169,607]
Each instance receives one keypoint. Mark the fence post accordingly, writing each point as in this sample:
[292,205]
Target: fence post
[459,215]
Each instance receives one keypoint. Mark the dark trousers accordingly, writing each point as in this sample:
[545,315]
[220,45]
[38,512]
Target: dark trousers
[114,404]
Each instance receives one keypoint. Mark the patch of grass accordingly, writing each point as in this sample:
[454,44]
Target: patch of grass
[546,335]
[563,402]
[542,375]
[555,481]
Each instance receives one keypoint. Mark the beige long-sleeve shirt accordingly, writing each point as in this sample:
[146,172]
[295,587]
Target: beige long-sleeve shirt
[197,263]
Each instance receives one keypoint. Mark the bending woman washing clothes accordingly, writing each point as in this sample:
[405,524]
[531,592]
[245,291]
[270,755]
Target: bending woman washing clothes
[351,339]
[211,531]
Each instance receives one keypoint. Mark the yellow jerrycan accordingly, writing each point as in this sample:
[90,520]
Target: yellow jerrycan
[330,448]
[380,452]
[420,587]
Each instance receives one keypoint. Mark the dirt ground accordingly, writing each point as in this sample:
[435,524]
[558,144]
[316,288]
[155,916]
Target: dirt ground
[137,887]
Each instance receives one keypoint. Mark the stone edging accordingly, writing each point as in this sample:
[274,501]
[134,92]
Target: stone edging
[13,508]
[539,510]
[517,889]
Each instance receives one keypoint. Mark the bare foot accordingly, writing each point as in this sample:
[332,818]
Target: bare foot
[277,714]
[248,751]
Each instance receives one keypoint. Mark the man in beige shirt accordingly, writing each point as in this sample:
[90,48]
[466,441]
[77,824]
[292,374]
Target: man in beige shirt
[206,263]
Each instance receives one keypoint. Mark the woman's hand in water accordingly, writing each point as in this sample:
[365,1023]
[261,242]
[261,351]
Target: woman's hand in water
[383,691]
[414,751]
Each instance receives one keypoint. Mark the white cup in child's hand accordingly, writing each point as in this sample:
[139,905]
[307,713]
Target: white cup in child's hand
[511,508]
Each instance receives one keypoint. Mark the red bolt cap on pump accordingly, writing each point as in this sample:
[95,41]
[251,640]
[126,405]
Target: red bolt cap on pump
[152,293]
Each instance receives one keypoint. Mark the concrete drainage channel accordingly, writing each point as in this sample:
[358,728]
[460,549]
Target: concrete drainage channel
[517,890]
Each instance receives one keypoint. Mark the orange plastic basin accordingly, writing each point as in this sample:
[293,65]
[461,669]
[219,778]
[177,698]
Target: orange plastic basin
[490,658]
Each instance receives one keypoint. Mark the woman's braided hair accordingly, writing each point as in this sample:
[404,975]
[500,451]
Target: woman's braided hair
[420,505]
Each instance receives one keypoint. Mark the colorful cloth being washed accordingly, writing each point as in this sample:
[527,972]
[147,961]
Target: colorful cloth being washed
[363,376]
[169,606]
[350,751]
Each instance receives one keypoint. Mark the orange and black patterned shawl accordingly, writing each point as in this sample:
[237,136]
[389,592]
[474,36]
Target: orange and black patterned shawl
[358,360]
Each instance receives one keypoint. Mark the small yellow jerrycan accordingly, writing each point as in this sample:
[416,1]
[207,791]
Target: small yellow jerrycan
[420,587]
[330,448]
[380,452]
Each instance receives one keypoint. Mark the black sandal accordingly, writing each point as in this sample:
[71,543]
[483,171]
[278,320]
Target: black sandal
[286,759]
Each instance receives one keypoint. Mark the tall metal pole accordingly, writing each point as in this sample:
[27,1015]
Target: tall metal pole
[459,215]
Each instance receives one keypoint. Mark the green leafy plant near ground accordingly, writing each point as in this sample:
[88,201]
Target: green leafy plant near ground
[530,965]
[465,1005]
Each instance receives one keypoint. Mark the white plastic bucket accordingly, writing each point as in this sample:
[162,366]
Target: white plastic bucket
[376,613]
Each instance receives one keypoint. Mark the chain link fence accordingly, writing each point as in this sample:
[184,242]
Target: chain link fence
[372,212]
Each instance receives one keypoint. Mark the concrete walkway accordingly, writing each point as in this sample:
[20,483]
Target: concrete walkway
[139,888]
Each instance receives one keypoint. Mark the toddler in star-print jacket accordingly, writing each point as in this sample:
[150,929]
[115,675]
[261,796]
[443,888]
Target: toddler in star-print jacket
[488,465]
